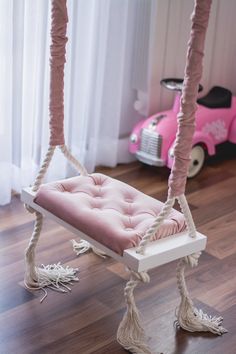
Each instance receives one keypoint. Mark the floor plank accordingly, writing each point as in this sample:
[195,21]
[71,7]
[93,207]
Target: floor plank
[85,321]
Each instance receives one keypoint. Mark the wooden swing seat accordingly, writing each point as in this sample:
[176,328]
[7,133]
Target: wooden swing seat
[114,217]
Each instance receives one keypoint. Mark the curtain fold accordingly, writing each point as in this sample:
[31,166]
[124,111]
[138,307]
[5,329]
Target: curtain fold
[95,75]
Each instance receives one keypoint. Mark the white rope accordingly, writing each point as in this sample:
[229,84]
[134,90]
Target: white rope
[80,247]
[80,168]
[84,246]
[53,276]
[44,167]
[30,272]
[166,209]
[187,214]
[188,317]
[130,334]
[47,160]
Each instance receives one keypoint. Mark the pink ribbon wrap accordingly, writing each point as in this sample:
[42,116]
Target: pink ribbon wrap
[186,116]
[57,63]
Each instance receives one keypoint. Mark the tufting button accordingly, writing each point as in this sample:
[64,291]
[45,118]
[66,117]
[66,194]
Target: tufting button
[129,213]
[128,229]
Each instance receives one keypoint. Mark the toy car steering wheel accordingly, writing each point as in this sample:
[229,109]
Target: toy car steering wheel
[176,84]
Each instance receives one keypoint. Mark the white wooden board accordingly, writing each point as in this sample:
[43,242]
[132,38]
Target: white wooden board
[165,250]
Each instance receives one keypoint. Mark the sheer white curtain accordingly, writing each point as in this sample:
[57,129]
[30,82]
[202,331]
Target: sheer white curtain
[95,74]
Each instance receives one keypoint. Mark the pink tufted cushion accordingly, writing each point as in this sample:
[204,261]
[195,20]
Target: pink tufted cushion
[111,212]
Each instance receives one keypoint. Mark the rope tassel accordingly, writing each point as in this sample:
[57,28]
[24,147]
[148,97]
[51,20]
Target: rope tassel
[55,276]
[130,334]
[84,246]
[188,317]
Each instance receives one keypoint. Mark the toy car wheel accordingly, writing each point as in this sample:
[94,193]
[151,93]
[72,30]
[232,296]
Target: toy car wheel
[197,161]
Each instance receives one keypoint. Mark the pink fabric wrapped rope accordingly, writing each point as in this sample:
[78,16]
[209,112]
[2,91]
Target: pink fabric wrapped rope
[57,62]
[186,116]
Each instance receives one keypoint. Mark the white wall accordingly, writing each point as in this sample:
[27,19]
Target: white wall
[168,36]
[159,42]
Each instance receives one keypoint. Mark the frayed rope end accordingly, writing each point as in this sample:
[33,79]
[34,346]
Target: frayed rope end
[84,246]
[55,277]
[194,320]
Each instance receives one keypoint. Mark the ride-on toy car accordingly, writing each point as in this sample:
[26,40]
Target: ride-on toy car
[152,139]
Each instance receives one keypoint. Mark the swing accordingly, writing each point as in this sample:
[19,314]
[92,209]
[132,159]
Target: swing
[113,218]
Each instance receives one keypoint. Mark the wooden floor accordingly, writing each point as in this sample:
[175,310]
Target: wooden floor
[85,321]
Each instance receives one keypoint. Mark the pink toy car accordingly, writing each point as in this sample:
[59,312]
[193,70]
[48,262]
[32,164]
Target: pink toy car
[152,139]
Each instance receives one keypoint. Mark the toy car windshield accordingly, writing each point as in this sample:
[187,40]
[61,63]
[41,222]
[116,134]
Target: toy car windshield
[175,84]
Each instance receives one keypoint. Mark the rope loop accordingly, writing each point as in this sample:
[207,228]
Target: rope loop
[29,209]
[80,168]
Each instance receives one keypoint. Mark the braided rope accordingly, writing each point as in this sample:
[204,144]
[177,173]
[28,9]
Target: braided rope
[41,174]
[139,277]
[43,168]
[156,224]
[131,334]
[181,280]
[189,317]
[31,278]
[53,276]
[80,168]
[187,214]
[46,162]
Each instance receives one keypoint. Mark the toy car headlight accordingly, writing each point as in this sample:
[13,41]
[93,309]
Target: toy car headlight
[171,152]
[133,138]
